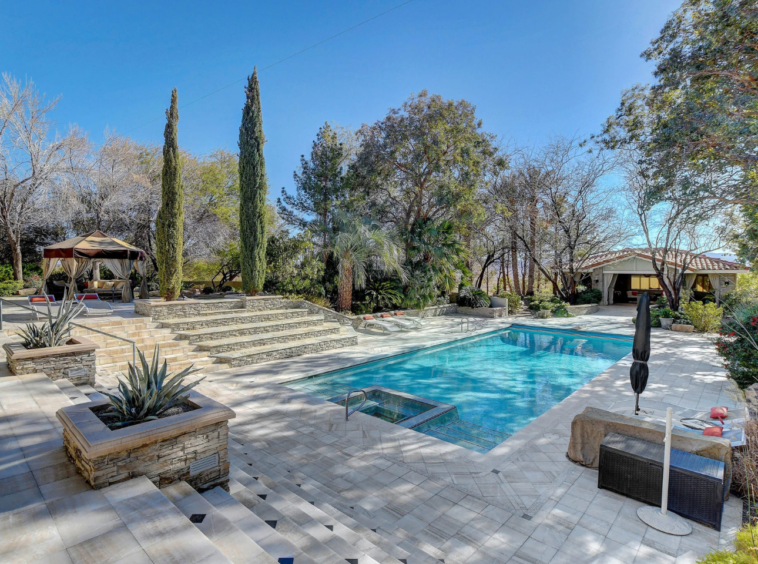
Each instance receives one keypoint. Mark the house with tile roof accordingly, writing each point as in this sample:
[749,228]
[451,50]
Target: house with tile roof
[625,274]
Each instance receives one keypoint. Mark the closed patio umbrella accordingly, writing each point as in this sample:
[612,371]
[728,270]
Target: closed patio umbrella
[640,350]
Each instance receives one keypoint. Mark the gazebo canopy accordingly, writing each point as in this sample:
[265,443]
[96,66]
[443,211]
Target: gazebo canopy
[95,245]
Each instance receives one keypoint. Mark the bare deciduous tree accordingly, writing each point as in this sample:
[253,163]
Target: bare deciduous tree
[32,158]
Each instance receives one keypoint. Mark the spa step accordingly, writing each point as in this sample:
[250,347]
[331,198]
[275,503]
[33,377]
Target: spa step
[286,350]
[222,532]
[348,529]
[315,539]
[188,323]
[264,339]
[255,528]
[226,331]
[414,551]
[468,435]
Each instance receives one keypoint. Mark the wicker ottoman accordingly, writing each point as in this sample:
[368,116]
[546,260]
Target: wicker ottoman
[634,468]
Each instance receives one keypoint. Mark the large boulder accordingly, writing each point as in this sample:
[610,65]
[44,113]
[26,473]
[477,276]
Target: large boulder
[589,428]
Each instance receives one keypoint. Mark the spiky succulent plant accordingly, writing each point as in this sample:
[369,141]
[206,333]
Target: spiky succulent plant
[148,391]
[55,331]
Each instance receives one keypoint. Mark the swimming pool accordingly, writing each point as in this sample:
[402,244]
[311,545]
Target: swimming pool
[499,382]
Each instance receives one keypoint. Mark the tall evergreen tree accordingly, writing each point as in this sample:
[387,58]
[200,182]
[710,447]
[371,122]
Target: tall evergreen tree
[169,225]
[253,189]
[321,188]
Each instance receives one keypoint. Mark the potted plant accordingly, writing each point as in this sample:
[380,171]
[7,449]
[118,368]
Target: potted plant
[666,317]
[156,425]
[51,349]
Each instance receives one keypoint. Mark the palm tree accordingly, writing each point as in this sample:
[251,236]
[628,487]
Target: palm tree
[356,246]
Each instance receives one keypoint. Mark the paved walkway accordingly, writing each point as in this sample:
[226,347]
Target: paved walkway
[521,502]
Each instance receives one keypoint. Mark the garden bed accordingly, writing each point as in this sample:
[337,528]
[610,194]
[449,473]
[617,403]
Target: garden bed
[584,309]
[74,361]
[190,446]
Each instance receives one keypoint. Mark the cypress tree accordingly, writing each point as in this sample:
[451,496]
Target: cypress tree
[169,225]
[253,189]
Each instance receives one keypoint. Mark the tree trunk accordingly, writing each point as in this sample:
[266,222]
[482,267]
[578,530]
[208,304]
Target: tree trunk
[532,244]
[514,266]
[345,291]
[15,244]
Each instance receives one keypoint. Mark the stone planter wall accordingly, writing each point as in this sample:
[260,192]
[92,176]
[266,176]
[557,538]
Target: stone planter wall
[489,312]
[683,328]
[74,361]
[160,310]
[190,447]
[262,303]
[329,315]
[584,309]
[433,311]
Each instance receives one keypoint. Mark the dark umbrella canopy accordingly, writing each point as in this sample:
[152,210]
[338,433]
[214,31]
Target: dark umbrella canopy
[640,350]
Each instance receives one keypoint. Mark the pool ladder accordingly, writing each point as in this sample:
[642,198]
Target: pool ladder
[348,413]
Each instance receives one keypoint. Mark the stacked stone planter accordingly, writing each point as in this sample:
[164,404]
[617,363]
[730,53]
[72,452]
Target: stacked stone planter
[74,361]
[190,447]
[489,312]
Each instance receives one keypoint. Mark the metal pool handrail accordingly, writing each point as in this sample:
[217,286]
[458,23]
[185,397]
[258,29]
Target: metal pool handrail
[132,343]
[347,402]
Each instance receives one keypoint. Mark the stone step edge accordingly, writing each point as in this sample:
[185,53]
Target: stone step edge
[205,345]
[339,505]
[242,493]
[191,503]
[188,333]
[243,313]
[352,339]
[382,544]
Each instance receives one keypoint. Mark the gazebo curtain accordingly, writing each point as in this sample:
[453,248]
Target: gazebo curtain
[75,268]
[689,280]
[144,293]
[121,268]
[48,265]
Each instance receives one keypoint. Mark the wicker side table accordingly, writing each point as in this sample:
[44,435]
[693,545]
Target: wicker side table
[634,468]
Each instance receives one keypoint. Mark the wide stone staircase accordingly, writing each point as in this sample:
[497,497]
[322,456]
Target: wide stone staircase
[218,334]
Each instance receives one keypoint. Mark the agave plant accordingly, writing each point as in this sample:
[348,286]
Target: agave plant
[56,331]
[148,391]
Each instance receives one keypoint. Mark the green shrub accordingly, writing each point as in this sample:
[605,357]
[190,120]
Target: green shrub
[33,281]
[665,313]
[227,288]
[362,308]
[745,549]
[208,290]
[705,317]
[514,301]
[662,301]
[589,296]
[561,311]
[10,287]
[736,344]
[470,296]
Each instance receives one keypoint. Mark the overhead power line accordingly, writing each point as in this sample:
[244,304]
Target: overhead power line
[287,58]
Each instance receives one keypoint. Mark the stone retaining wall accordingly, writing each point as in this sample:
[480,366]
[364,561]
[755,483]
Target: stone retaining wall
[262,303]
[490,312]
[584,309]
[160,310]
[74,361]
[162,462]
[433,311]
[329,314]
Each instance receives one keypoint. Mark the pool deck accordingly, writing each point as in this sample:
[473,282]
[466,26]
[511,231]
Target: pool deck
[521,502]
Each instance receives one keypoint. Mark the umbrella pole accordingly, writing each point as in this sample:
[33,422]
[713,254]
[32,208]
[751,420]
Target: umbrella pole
[660,518]
[636,404]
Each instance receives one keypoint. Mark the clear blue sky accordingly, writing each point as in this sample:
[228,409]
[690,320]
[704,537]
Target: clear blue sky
[533,69]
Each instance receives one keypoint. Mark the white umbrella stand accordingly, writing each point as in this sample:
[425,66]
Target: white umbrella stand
[658,517]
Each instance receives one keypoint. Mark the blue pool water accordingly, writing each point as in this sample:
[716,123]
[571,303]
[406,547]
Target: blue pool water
[499,381]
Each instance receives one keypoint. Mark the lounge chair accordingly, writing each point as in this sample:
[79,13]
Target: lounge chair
[417,321]
[370,321]
[93,305]
[402,323]
[39,304]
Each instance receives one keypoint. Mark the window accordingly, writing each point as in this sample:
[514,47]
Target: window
[645,283]
[702,283]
